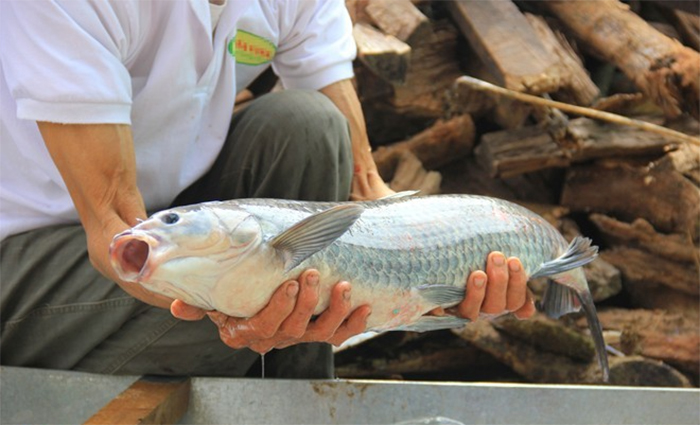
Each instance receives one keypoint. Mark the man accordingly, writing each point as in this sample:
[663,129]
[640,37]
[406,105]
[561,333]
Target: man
[113,109]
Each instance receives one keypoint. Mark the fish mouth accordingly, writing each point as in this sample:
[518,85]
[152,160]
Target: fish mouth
[129,253]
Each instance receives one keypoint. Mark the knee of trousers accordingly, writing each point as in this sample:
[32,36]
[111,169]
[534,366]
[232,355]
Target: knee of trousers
[304,125]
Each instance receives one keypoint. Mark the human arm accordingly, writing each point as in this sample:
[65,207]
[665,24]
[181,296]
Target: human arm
[367,184]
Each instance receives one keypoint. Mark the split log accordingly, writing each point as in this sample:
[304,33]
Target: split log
[385,55]
[637,265]
[578,88]
[432,70]
[666,336]
[661,67]
[445,141]
[508,46]
[665,199]
[410,175]
[511,152]
[399,18]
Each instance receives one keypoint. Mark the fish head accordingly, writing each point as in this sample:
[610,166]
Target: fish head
[177,249]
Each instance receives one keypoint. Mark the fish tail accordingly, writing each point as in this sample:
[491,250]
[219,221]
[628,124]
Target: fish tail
[567,293]
[579,253]
[596,332]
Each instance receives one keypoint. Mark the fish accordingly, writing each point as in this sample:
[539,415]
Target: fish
[404,256]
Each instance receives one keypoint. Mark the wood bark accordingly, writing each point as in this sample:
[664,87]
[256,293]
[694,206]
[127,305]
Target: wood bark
[519,62]
[661,67]
[627,191]
[385,55]
[399,18]
[445,141]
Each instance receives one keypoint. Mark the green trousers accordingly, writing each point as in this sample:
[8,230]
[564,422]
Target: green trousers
[58,312]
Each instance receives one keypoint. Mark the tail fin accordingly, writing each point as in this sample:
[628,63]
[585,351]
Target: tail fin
[568,293]
[596,331]
[559,300]
[579,253]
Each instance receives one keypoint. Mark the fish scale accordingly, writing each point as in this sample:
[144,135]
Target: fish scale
[442,253]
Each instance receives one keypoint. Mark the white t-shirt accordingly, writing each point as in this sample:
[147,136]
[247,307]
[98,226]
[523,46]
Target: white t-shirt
[156,65]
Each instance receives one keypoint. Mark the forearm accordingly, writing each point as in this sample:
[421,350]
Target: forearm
[343,95]
[366,181]
[98,166]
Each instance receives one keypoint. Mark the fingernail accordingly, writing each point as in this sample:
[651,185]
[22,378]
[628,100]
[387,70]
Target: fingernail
[499,260]
[293,289]
[479,281]
[312,280]
[346,295]
[514,266]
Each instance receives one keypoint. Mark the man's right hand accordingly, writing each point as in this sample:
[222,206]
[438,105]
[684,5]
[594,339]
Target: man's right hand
[286,320]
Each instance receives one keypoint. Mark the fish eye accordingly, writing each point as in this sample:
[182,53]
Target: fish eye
[170,218]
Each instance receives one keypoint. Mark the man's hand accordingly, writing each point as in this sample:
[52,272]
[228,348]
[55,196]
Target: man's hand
[501,289]
[286,320]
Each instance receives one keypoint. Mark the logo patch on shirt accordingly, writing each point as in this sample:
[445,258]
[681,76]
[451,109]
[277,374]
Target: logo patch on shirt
[251,49]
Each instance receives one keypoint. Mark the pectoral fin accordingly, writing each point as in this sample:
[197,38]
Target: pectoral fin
[314,233]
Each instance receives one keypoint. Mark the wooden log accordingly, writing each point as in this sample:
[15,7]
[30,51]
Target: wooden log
[511,152]
[662,335]
[627,191]
[578,88]
[385,55]
[507,45]
[146,402]
[410,175]
[400,18]
[661,67]
[445,141]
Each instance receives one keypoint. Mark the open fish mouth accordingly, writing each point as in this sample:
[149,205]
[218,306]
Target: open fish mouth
[129,253]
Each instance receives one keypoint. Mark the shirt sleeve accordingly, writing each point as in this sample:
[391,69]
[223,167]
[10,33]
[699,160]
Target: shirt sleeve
[63,61]
[316,46]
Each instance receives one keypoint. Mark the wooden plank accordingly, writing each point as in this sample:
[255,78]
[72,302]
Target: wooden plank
[508,45]
[385,55]
[399,18]
[146,401]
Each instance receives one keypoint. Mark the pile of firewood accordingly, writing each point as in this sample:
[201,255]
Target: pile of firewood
[609,168]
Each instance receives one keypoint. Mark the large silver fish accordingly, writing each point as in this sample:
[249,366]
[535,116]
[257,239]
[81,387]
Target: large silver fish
[404,256]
